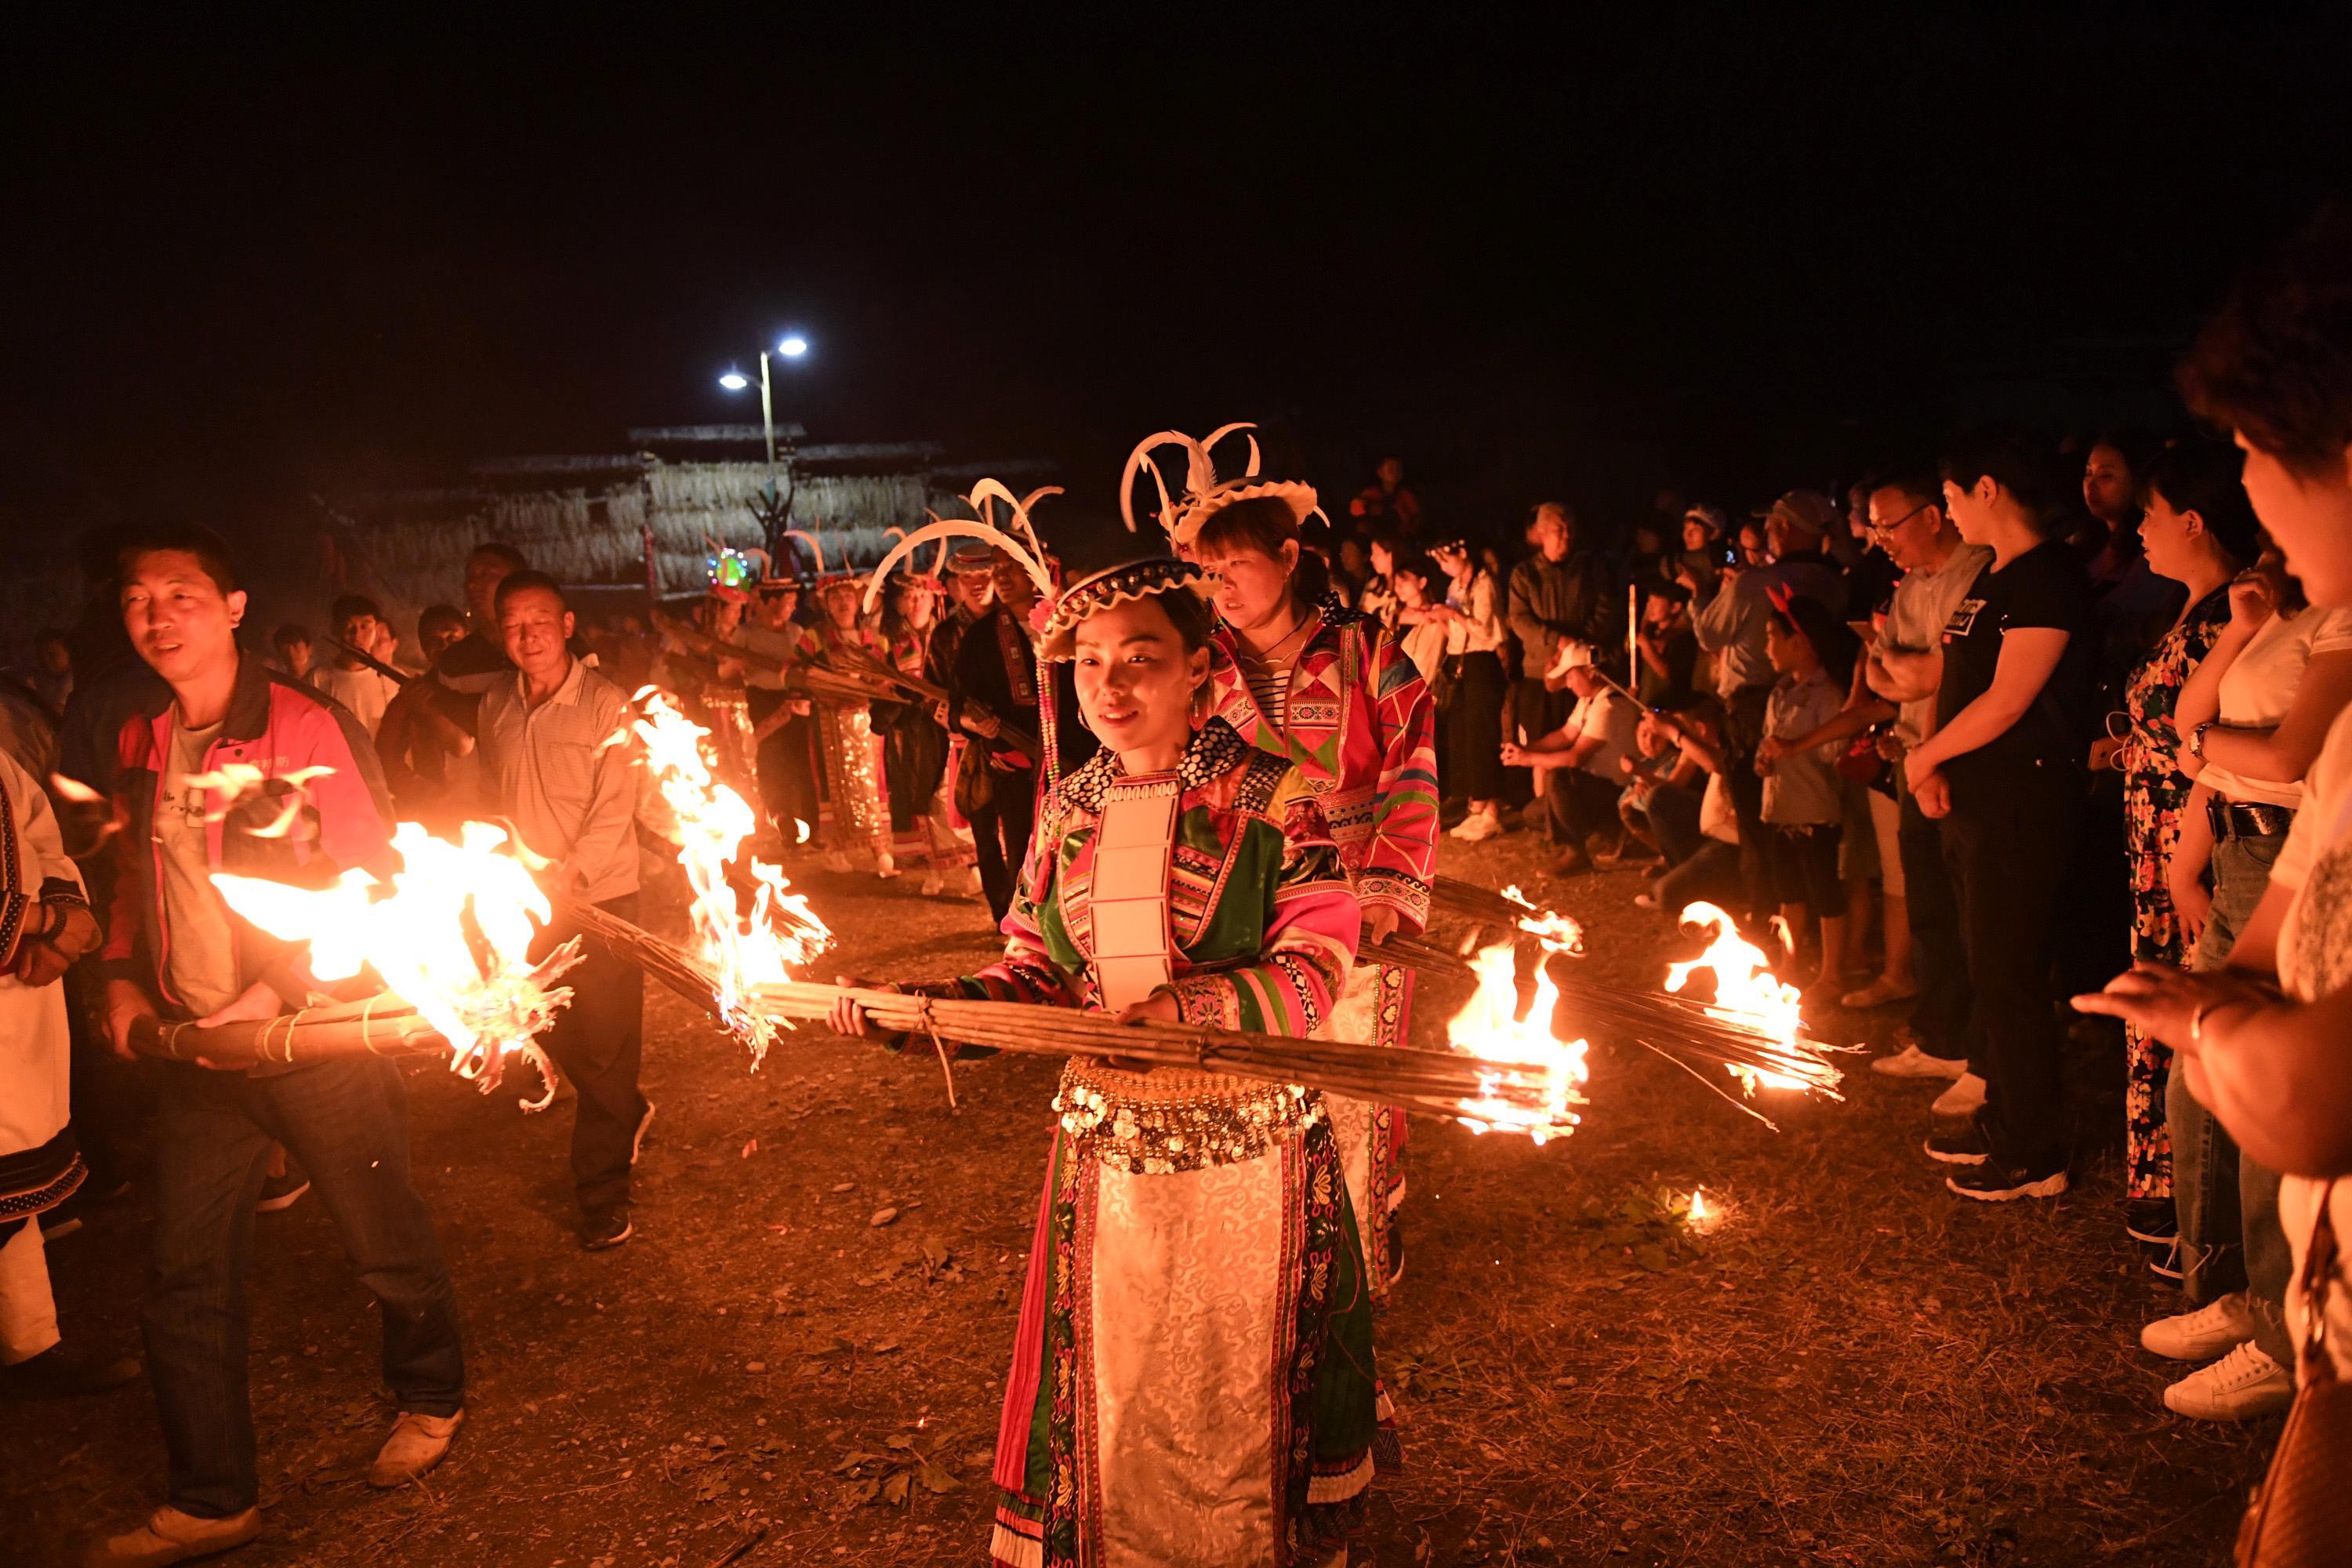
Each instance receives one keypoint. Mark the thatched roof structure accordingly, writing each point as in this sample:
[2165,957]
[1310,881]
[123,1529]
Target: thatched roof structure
[585,518]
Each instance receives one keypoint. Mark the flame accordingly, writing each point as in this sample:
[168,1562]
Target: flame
[1489,1028]
[1699,1213]
[800,831]
[1555,930]
[1746,992]
[74,790]
[235,781]
[472,979]
[744,949]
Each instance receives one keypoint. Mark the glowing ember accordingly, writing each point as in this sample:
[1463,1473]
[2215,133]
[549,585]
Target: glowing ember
[451,938]
[1489,1028]
[1555,930]
[744,948]
[1745,993]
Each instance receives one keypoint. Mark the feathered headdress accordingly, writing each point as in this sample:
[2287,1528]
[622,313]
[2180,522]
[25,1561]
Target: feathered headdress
[734,573]
[826,578]
[1204,493]
[1018,539]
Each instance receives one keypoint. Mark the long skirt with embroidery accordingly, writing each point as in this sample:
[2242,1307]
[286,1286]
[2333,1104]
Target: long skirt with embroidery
[1374,1008]
[1193,1377]
[857,795]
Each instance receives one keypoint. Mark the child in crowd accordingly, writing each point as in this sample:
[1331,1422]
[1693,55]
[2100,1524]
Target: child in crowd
[1804,799]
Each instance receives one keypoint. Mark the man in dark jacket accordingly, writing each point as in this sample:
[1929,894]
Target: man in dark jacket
[1559,595]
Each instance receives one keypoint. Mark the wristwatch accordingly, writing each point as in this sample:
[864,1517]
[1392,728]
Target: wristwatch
[2197,739]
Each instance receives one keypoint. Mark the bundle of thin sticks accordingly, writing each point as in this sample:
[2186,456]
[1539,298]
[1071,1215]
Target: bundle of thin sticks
[847,677]
[381,1025]
[1469,901]
[1694,1032]
[1438,1081]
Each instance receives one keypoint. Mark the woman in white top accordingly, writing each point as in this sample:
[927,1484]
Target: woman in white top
[1474,640]
[1423,638]
[2275,1064]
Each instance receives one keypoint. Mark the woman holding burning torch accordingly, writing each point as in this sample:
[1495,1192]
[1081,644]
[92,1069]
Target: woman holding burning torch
[1192,1376]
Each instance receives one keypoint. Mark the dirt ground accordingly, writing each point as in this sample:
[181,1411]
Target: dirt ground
[798,1360]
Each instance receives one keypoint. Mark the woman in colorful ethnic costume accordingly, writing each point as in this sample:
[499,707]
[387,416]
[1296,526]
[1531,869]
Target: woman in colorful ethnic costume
[1193,1377]
[855,784]
[1337,696]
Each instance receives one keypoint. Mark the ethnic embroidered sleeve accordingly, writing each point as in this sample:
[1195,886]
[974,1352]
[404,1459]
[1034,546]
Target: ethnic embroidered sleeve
[1309,936]
[1401,858]
[1028,972]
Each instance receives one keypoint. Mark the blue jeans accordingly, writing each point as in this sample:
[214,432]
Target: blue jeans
[2230,1233]
[346,1123]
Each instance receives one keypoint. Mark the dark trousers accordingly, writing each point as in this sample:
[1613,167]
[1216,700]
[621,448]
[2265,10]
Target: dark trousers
[1474,755]
[1000,835]
[1743,732]
[1940,1018]
[1709,873]
[347,1122]
[1673,817]
[2007,854]
[598,1044]
[787,776]
[1576,804]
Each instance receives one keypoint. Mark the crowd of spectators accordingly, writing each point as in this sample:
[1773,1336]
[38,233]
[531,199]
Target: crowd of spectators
[2019,716]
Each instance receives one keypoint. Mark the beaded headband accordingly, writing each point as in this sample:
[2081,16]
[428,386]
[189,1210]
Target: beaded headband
[1057,639]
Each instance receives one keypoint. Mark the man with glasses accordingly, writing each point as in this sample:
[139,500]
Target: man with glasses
[1904,666]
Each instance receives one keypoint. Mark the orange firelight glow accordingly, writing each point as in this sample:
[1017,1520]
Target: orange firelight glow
[1489,1028]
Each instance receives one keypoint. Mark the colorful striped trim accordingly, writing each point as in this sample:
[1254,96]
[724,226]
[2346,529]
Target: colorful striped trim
[1341,1485]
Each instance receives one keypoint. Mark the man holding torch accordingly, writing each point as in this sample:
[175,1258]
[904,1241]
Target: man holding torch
[559,764]
[232,767]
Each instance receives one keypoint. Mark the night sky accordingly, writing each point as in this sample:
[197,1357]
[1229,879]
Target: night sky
[1579,256]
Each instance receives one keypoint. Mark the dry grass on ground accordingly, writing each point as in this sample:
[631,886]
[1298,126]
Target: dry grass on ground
[800,1354]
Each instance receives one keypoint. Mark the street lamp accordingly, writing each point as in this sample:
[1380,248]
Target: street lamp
[793,346]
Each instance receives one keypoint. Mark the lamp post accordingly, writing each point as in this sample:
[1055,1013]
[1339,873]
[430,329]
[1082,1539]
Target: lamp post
[793,346]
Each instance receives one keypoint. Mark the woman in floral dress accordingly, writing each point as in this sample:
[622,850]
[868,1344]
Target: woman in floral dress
[2188,547]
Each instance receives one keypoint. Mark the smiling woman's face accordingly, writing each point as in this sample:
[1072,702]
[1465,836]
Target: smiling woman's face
[1135,679]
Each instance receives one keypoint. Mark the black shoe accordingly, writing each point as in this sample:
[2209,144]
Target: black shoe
[1994,1182]
[607,1227]
[2163,1261]
[57,1373]
[1961,1146]
[2152,1220]
[279,1191]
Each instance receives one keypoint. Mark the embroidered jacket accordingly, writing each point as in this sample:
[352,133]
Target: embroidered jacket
[1362,731]
[1262,923]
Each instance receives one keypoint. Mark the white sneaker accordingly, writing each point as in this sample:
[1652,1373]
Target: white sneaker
[1477,826]
[1965,1098]
[932,885]
[2241,1387]
[1913,1062]
[2215,1329]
